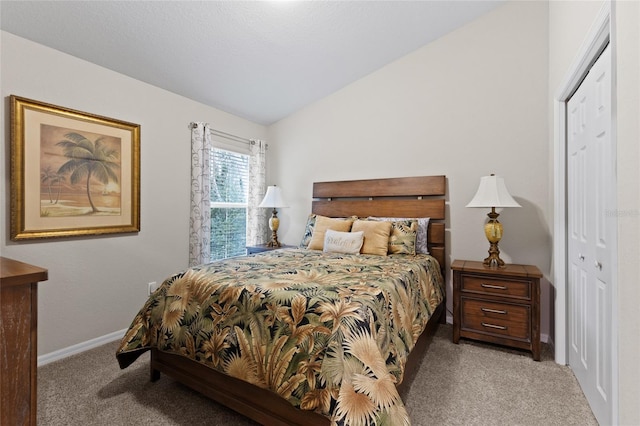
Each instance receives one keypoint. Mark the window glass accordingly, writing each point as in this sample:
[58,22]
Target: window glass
[229,191]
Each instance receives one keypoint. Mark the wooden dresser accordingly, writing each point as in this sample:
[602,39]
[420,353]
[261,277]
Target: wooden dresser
[497,305]
[18,341]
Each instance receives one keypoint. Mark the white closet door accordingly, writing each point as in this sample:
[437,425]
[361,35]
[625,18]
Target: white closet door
[591,226]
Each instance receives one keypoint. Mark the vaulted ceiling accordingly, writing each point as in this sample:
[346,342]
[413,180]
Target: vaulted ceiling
[258,60]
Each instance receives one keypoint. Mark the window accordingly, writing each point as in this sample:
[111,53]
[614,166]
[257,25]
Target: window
[229,194]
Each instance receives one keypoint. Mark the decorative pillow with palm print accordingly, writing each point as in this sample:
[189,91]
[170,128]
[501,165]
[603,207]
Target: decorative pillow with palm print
[308,231]
[421,236]
[403,237]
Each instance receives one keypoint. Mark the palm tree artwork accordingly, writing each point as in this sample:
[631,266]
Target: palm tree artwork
[50,177]
[87,161]
[80,172]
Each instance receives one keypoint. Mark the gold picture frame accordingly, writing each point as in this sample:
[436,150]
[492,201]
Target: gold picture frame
[72,173]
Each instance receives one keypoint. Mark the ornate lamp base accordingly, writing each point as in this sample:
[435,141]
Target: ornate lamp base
[494,261]
[493,232]
[274,224]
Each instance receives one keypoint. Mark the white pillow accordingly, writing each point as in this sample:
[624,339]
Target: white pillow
[342,242]
[421,236]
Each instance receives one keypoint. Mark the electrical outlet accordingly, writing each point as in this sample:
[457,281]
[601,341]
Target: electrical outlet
[153,286]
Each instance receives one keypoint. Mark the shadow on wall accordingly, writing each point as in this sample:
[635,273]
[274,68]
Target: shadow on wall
[527,234]
[527,237]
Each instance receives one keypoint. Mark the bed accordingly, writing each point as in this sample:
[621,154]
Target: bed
[302,336]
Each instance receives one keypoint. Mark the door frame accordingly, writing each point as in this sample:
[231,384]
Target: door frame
[601,32]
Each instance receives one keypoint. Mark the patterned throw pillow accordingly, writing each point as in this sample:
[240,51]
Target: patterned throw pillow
[421,237]
[403,237]
[308,231]
[342,242]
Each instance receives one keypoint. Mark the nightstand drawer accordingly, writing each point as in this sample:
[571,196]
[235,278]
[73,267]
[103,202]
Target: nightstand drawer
[498,287]
[496,318]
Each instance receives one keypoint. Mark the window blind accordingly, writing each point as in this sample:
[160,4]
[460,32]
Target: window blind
[229,194]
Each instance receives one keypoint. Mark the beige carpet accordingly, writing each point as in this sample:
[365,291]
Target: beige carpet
[465,384]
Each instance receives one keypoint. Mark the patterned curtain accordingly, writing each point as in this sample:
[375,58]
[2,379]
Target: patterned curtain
[200,221]
[257,222]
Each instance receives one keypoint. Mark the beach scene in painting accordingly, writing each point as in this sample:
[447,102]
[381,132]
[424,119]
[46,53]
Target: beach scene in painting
[79,173]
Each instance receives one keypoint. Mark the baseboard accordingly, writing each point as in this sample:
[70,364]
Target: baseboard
[544,338]
[552,345]
[80,347]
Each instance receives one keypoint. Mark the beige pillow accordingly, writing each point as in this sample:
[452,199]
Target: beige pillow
[342,242]
[322,224]
[376,236]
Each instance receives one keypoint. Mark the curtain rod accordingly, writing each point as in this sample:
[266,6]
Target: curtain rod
[193,125]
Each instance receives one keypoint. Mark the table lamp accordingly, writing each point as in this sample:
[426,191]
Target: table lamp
[493,193]
[273,199]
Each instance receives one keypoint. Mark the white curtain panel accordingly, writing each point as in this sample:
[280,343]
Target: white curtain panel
[200,220]
[257,222]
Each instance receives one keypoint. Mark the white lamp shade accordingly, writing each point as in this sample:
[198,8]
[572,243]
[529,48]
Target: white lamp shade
[492,192]
[273,198]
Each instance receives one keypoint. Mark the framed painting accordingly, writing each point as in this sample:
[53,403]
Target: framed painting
[72,173]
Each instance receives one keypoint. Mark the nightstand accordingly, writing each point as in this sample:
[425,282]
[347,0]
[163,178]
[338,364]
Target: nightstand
[263,247]
[497,305]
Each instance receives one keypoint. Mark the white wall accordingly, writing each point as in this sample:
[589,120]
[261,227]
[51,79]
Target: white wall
[97,285]
[469,104]
[569,23]
[627,37]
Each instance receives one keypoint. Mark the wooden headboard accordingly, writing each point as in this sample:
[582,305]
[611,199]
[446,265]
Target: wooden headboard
[422,196]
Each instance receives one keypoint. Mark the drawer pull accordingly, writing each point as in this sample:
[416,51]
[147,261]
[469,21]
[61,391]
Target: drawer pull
[493,311]
[495,287]
[499,327]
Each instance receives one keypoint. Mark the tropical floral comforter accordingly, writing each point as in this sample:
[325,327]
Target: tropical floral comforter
[328,332]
